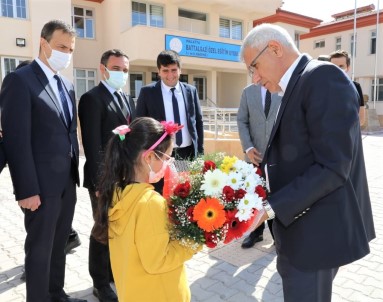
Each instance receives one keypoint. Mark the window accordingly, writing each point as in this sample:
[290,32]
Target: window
[83,22]
[319,44]
[352,45]
[13,9]
[136,81]
[147,14]
[230,29]
[192,21]
[200,84]
[84,80]
[379,91]
[373,43]
[338,43]
[184,78]
[9,64]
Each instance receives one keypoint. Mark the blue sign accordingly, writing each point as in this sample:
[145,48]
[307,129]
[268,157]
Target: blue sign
[190,47]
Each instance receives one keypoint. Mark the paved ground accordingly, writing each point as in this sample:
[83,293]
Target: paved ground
[227,274]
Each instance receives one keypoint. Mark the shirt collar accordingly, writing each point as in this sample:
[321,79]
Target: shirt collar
[167,88]
[110,88]
[284,81]
[48,72]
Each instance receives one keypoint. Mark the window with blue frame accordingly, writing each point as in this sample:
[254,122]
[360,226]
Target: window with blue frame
[13,9]
[147,14]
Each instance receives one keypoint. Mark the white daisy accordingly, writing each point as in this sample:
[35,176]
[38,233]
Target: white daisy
[246,205]
[235,180]
[244,168]
[213,182]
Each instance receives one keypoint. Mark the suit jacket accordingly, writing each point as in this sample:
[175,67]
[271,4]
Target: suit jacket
[316,170]
[2,156]
[150,103]
[40,148]
[253,127]
[99,115]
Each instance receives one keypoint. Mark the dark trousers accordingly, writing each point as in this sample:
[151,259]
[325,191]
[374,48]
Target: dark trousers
[47,233]
[99,261]
[259,230]
[303,286]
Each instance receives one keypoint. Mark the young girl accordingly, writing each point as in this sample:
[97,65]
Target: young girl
[147,266]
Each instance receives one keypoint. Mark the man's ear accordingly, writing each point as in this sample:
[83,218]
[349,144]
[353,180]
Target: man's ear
[275,48]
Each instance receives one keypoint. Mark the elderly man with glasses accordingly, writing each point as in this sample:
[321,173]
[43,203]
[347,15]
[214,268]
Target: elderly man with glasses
[313,164]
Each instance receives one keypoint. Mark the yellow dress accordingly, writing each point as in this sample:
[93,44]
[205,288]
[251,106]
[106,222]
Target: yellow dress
[147,266]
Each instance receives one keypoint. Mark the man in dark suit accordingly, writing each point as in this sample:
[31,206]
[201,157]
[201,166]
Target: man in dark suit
[156,101]
[102,109]
[313,164]
[39,122]
[171,100]
[342,59]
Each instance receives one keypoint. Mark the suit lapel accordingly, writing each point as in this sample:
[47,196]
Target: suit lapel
[290,87]
[159,101]
[108,99]
[48,89]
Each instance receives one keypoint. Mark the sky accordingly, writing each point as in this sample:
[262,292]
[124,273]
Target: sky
[323,9]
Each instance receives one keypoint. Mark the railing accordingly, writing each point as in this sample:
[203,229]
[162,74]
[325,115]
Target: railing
[220,120]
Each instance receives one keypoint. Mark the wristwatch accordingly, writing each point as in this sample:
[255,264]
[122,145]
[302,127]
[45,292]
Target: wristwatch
[268,209]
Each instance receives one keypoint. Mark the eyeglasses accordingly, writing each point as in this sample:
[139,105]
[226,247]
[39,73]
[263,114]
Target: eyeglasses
[254,62]
[169,161]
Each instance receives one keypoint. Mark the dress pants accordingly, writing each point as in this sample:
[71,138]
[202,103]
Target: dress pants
[99,261]
[47,232]
[259,230]
[303,285]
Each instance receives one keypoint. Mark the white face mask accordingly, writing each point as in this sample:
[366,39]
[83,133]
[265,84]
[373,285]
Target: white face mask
[58,60]
[117,79]
[156,176]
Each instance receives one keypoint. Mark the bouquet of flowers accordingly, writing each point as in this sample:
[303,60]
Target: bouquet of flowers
[216,200]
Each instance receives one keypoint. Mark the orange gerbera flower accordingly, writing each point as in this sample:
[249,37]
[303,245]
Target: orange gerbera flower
[209,214]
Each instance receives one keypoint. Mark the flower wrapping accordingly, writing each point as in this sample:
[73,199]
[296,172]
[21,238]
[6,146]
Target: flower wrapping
[216,200]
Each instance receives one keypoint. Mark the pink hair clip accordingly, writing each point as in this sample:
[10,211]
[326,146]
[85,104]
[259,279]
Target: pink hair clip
[170,127]
[121,131]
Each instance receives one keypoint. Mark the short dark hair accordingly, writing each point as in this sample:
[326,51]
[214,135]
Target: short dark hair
[168,57]
[53,25]
[112,53]
[340,54]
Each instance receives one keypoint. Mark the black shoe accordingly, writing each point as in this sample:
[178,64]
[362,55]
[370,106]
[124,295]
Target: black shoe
[73,242]
[250,241]
[105,294]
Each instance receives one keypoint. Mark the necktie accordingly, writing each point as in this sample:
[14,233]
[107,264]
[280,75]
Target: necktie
[267,102]
[177,118]
[63,100]
[123,107]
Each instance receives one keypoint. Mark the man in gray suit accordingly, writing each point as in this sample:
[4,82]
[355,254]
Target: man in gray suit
[256,115]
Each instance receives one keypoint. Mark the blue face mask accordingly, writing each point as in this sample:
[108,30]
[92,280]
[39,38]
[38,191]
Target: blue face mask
[117,79]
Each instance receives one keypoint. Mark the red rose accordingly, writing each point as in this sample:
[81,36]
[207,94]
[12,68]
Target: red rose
[261,192]
[189,214]
[211,239]
[239,194]
[258,171]
[208,165]
[182,190]
[228,193]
